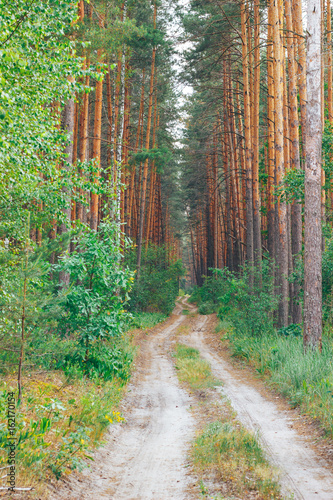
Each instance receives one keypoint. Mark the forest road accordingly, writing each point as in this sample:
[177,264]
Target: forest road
[145,458]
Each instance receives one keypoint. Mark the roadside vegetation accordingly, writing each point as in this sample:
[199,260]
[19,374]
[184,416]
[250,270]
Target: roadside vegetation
[227,457]
[247,320]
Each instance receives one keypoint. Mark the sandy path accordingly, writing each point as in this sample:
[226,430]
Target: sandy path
[144,458]
[302,472]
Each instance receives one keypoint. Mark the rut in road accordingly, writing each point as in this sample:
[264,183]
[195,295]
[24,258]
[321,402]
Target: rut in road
[145,458]
[303,475]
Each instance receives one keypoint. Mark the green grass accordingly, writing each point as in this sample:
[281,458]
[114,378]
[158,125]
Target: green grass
[146,320]
[305,379]
[193,369]
[57,424]
[237,458]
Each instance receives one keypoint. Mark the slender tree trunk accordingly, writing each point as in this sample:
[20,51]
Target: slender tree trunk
[152,177]
[280,167]
[329,63]
[271,236]
[298,28]
[248,144]
[256,103]
[296,207]
[145,168]
[68,154]
[312,223]
[97,148]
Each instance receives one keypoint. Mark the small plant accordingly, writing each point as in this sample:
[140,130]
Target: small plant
[294,330]
[236,456]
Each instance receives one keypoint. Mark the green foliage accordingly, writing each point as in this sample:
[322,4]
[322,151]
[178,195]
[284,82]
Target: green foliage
[327,276]
[293,186]
[94,303]
[294,330]
[28,305]
[36,58]
[249,310]
[208,307]
[158,287]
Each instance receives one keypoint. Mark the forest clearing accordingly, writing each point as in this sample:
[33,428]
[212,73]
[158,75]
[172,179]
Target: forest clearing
[166,249]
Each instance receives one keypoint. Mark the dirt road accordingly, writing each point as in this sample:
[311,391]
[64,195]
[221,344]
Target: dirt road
[145,458]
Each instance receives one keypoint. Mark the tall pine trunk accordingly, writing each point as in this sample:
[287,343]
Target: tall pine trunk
[248,143]
[282,239]
[145,168]
[312,222]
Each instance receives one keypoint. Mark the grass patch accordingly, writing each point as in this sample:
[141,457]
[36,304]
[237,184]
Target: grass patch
[57,424]
[146,319]
[193,369]
[62,417]
[185,311]
[237,459]
[306,380]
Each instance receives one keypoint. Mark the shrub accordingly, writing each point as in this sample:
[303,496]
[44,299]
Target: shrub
[158,286]
[94,302]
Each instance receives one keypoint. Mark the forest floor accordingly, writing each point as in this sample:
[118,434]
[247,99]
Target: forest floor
[148,457]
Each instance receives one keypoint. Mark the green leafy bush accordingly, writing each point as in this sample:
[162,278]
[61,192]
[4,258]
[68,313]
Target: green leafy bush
[247,309]
[94,302]
[158,286]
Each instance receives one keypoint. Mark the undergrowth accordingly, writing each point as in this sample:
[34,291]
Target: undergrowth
[247,314]
[146,319]
[224,447]
[305,379]
[64,413]
[58,423]
[236,457]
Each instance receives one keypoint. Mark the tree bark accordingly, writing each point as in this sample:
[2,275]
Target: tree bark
[312,224]
[248,144]
[280,167]
[256,99]
[145,168]
[298,28]
[97,148]
[296,207]
[68,154]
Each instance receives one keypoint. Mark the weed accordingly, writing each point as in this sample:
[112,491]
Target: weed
[146,319]
[57,424]
[237,457]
